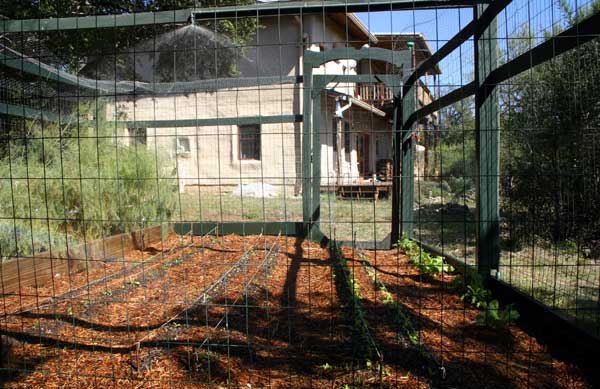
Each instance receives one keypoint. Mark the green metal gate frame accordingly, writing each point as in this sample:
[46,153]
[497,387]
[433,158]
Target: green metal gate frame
[311,141]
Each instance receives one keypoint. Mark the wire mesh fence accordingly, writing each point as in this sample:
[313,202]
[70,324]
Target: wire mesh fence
[258,195]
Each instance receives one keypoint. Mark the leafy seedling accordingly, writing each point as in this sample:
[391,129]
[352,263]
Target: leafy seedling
[326,366]
[477,296]
[497,318]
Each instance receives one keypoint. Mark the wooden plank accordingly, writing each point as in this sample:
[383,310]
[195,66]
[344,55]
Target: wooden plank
[40,269]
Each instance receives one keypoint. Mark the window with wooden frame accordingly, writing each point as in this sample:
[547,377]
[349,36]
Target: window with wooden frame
[249,142]
[183,146]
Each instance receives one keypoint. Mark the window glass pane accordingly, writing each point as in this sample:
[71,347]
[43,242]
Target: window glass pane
[250,142]
[183,144]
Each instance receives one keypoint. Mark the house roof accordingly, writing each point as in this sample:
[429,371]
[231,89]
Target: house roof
[356,28]
[357,102]
[398,41]
[368,107]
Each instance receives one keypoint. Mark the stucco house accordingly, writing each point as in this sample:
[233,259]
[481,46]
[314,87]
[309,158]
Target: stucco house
[355,145]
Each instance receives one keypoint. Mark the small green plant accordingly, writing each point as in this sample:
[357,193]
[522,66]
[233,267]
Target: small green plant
[495,317]
[410,247]
[426,263]
[355,288]
[388,300]
[107,292]
[414,338]
[326,366]
[477,296]
[356,313]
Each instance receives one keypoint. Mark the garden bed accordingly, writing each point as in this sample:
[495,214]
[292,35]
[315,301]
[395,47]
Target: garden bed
[470,354]
[265,311]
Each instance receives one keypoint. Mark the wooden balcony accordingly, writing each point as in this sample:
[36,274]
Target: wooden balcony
[377,95]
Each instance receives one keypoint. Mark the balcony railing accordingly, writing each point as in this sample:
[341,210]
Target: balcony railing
[374,94]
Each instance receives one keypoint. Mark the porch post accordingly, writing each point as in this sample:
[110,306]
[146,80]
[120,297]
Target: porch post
[339,127]
[487,147]
[316,160]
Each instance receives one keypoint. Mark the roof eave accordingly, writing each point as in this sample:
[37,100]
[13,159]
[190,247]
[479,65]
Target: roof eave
[359,24]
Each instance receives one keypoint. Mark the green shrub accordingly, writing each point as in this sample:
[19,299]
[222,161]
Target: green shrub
[20,239]
[79,182]
[461,188]
[433,188]
[458,159]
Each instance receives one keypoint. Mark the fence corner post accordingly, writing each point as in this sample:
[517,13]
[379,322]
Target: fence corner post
[487,146]
[409,106]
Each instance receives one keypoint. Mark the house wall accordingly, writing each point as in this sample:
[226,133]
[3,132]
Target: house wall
[325,34]
[213,159]
[214,150]
[276,49]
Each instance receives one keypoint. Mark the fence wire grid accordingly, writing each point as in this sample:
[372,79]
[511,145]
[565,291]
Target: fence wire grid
[344,194]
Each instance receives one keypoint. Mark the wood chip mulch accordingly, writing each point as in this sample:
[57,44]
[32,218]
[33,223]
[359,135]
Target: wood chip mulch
[280,320]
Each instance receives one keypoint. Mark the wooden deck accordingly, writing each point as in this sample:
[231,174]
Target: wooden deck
[365,190]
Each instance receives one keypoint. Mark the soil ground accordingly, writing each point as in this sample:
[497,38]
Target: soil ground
[266,312]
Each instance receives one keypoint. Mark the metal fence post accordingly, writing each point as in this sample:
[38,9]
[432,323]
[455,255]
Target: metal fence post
[487,146]
[397,158]
[306,146]
[409,106]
